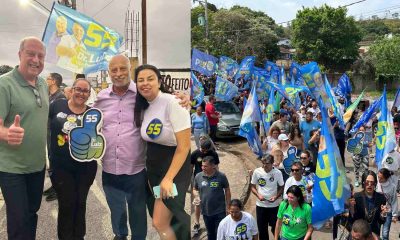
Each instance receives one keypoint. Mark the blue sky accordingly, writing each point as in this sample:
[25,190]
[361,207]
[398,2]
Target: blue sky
[285,10]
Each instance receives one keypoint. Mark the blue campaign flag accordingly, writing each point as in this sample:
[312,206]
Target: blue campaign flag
[334,103]
[289,91]
[283,77]
[259,80]
[295,74]
[203,62]
[260,71]
[269,112]
[313,79]
[228,66]
[344,89]
[245,68]
[197,90]
[367,115]
[225,90]
[396,102]
[330,189]
[251,114]
[385,136]
[78,43]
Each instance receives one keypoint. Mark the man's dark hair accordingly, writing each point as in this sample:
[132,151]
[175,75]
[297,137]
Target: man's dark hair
[237,203]
[57,78]
[267,158]
[211,97]
[80,75]
[361,226]
[209,159]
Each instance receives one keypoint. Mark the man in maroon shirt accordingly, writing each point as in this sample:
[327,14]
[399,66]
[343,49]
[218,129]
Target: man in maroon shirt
[213,117]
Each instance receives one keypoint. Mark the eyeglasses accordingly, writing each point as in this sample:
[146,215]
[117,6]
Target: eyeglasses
[81,90]
[303,157]
[295,170]
[37,96]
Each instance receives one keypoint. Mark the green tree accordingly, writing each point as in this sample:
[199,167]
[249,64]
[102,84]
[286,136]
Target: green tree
[372,29]
[326,35]
[237,32]
[385,54]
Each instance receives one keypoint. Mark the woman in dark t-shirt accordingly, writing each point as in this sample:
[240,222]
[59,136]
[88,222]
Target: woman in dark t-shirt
[70,178]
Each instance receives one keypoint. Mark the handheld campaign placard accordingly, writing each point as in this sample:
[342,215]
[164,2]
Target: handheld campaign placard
[354,145]
[291,158]
[86,142]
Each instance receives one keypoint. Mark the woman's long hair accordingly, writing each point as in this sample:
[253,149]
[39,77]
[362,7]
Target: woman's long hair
[296,191]
[141,103]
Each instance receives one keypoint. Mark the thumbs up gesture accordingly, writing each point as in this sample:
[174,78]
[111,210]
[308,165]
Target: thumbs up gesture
[86,143]
[354,145]
[15,133]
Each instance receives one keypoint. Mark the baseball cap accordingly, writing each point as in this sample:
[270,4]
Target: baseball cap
[283,137]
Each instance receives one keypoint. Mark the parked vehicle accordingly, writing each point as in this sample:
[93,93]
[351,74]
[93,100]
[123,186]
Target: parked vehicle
[229,122]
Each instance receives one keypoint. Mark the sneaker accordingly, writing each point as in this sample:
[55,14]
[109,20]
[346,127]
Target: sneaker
[51,197]
[49,191]
[356,184]
[196,229]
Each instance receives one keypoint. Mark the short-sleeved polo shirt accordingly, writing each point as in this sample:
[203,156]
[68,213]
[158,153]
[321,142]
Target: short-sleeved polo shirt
[18,97]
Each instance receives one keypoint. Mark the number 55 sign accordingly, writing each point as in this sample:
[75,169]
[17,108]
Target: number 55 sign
[96,42]
[86,142]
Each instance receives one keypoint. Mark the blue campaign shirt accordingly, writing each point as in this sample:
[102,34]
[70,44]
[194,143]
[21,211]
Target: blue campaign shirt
[306,128]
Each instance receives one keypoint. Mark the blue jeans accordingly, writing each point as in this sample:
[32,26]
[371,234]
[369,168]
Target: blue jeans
[22,195]
[386,226]
[212,223]
[127,189]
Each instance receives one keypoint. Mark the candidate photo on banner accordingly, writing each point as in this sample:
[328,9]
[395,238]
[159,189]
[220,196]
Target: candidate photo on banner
[77,42]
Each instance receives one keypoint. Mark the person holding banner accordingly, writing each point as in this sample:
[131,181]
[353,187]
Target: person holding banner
[71,179]
[165,126]
[23,129]
[294,217]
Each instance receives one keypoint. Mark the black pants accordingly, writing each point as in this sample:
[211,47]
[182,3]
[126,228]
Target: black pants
[213,132]
[266,217]
[72,188]
[342,146]
[212,223]
[22,195]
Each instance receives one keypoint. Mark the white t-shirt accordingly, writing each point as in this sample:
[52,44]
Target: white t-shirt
[246,228]
[303,186]
[392,161]
[267,185]
[271,142]
[163,118]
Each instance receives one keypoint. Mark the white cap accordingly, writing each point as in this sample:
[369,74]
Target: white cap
[283,137]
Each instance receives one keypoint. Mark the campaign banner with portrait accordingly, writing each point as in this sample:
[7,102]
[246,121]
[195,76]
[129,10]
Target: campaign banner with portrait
[77,42]
[203,62]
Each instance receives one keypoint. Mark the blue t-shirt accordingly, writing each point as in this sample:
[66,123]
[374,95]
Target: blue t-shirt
[306,128]
[198,121]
